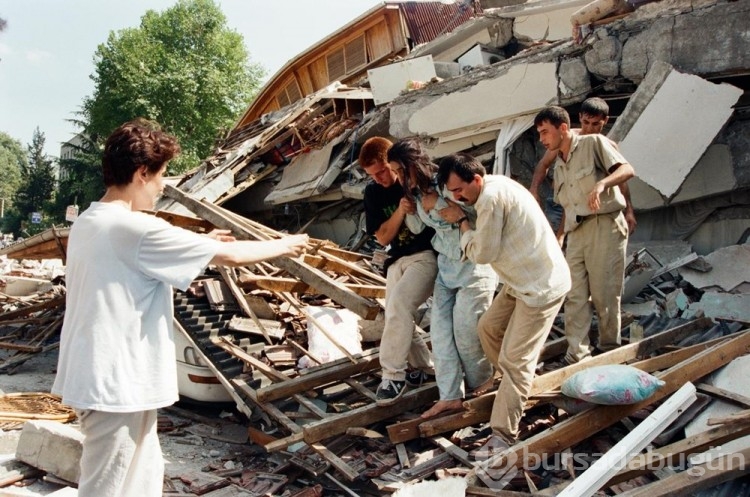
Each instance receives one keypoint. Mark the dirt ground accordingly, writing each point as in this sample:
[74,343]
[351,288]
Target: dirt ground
[185,449]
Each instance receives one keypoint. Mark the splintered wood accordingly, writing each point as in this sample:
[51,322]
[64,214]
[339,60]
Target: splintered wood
[312,410]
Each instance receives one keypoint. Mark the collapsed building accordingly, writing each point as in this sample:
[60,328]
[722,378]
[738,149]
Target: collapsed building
[665,69]
[465,77]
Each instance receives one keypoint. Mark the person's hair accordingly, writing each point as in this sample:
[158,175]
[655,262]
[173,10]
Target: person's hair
[554,114]
[462,165]
[136,143]
[410,154]
[595,107]
[374,150]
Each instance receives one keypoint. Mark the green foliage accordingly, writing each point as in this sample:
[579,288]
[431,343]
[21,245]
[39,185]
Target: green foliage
[183,68]
[12,162]
[36,191]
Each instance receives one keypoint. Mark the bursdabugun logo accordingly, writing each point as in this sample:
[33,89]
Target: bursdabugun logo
[496,465]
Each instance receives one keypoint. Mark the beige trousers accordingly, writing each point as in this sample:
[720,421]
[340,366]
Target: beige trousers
[512,335]
[408,284]
[596,258]
[121,455]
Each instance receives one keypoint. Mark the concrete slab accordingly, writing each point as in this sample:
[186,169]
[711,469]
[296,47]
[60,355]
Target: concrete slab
[713,174]
[53,447]
[732,377]
[653,134]
[641,309]
[724,306]
[522,89]
[304,175]
[731,267]
[551,26]
[387,82]
[644,196]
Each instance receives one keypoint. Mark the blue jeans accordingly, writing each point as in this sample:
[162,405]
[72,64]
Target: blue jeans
[463,292]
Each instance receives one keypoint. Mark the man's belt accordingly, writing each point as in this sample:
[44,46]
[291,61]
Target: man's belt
[582,219]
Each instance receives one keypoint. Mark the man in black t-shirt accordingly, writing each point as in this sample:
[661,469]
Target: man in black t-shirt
[410,273]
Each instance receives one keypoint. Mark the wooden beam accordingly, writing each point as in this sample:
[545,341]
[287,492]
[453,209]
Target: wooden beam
[338,463]
[314,277]
[319,378]
[577,428]
[737,417]
[724,395]
[669,359]
[366,415]
[279,284]
[456,452]
[25,311]
[674,454]
[606,467]
[478,410]
[239,296]
[552,380]
[698,477]
[271,410]
[31,349]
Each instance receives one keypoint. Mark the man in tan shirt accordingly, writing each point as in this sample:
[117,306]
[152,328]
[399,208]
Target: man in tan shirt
[513,236]
[587,174]
[593,116]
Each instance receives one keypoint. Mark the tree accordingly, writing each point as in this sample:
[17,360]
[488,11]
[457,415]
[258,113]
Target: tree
[35,194]
[12,162]
[183,68]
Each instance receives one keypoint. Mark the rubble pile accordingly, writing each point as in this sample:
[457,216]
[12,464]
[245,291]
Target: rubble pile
[309,426]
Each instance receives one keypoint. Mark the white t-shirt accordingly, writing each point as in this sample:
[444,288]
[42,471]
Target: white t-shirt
[116,347]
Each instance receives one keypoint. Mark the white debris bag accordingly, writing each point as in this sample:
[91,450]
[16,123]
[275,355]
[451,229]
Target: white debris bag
[613,384]
[342,324]
[448,487]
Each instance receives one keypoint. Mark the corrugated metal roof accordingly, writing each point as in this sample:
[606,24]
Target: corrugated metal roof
[426,21]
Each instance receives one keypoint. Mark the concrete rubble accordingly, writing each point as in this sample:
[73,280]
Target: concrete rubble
[308,426]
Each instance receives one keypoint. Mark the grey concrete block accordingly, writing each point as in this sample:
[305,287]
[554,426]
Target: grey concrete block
[53,447]
[603,60]
[574,79]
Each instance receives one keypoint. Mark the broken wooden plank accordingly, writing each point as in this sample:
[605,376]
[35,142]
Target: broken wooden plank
[669,359]
[31,349]
[553,380]
[366,415]
[247,325]
[25,311]
[279,284]
[579,427]
[403,456]
[674,454]
[723,394]
[320,377]
[341,466]
[314,277]
[737,417]
[456,452]
[605,467]
[239,296]
[697,477]
[268,408]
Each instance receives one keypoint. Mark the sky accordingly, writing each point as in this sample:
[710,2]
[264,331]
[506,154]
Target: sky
[47,49]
